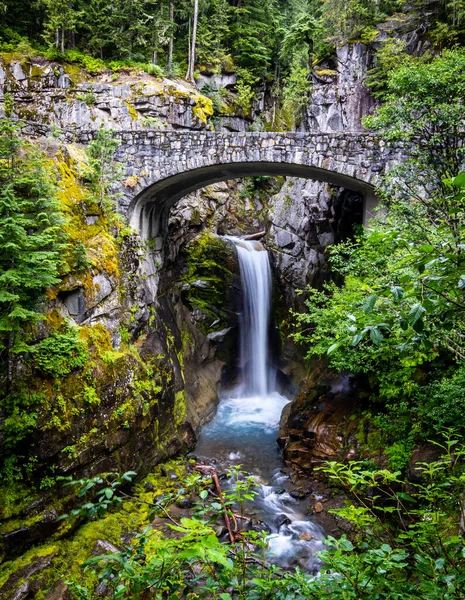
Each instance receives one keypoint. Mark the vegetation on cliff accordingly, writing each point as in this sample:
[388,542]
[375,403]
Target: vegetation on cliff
[275,45]
[399,317]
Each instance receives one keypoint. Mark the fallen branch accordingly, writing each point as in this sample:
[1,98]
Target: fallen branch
[254,236]
[168,516]
[208,470]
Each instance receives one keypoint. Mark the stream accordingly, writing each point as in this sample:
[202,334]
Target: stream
[244,429]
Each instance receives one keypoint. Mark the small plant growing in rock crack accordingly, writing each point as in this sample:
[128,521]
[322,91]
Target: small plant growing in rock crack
[107,493]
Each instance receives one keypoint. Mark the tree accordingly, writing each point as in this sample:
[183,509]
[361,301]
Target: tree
[423,106]
[169,64]
[399,317]
[31,239]
[99,23]
[102,170]
[193,42]
[254,36]
[62,16]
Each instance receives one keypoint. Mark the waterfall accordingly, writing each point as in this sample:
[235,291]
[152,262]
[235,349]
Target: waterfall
[243,431]
[255,317]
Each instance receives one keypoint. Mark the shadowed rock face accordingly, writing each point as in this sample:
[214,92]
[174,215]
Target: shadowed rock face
[315,428]
[305,218]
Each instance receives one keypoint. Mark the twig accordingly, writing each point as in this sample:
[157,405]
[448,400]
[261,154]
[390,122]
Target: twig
[208,470]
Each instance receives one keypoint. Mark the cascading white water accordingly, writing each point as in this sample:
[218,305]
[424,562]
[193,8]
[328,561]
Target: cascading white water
[255,317]
[245,426]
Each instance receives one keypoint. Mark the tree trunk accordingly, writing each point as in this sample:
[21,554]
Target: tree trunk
[10,372]
[190,71]
[154,57]
[171,39]
[62,41]
[57,38]
[188,50]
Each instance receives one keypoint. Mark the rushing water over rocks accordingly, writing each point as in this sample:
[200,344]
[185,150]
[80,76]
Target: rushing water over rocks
[245,427]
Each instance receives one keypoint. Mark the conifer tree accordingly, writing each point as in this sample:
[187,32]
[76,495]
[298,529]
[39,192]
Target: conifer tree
[62,16]
[31,239]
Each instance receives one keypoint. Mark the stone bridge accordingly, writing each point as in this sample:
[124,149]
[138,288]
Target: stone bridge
[161,167]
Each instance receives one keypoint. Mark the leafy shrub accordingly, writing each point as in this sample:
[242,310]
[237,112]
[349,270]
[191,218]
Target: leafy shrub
[88,97]
[405,544]
[60,353]
[155,70]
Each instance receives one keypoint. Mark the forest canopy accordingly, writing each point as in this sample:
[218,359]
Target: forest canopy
[275,42]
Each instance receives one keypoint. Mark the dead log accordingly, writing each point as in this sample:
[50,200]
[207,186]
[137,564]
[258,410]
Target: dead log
[254,236]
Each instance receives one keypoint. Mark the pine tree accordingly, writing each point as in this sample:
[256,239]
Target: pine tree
[193,42]
[31,239]
[99,23]
[62,16]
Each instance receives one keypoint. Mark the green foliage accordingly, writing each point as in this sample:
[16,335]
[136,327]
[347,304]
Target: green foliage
[60,353]
[22,411]
[31,238]
[398,319]
[209,270]
[88,98]
[80,258]
[405,541]
[102,169]
[155,70]
[245,88]
[297,88]
[389,56]
[62,16]
[423,105]
[105,486]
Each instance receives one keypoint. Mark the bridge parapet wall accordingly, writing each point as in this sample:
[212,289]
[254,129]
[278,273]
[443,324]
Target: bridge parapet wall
[343,158]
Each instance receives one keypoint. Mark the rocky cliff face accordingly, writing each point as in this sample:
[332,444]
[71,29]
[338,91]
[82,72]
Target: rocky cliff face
[307,216]
[53,98]
[339,97]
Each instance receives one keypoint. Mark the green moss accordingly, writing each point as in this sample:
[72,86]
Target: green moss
[14,499]
[179,408]
[209,261]
[203,108]
[10,567]
[132,111]
[70,553]
[75,73]
[36,72]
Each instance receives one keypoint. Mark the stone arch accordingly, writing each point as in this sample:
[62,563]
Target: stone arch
[149,209]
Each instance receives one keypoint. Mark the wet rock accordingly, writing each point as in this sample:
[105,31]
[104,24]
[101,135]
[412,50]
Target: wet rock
[297,494]
[19,585]
[105,547]
[322,416]
[423,454]
[184,503]
[218,336]
[279,491]
[148,487]
[20,539]
[258,526]
[306,537]
[281,520]
[318,507]
[58,592]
